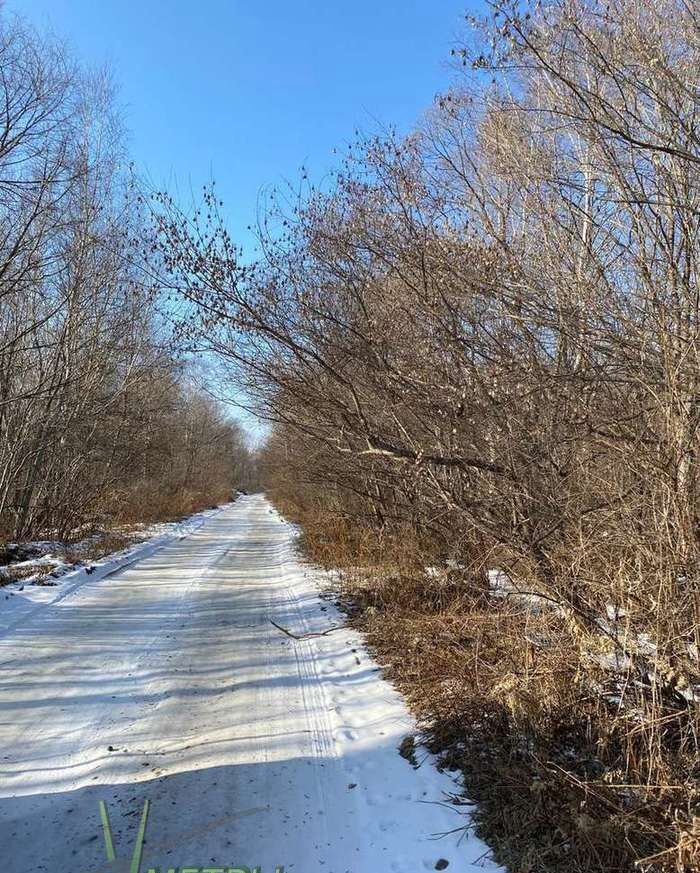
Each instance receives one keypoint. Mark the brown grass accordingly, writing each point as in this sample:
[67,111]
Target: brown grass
[16,574]
[561,771]
[153,506]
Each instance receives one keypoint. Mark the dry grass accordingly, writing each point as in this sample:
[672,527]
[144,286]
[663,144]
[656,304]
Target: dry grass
[100,544]
[566,776]
[97,545]
[153,505]
[17,574]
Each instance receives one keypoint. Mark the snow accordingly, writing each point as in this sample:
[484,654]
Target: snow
[24,597]
[161,676]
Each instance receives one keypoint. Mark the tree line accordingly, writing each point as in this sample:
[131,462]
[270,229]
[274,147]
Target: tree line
[100,420]
[482,337]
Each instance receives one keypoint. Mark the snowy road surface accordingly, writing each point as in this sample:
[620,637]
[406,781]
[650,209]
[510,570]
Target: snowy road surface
[167,681]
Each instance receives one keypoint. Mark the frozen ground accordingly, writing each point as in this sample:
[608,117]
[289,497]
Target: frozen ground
[166,680]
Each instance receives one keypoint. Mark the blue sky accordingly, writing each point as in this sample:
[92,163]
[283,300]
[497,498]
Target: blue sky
[248,91]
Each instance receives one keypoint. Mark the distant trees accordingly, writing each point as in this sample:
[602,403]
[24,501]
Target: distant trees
[486,333]
[96,417]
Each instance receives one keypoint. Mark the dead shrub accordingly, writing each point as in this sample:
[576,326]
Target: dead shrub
[560,770]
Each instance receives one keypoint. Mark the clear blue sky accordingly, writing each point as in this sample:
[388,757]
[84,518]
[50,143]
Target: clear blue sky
[248,91]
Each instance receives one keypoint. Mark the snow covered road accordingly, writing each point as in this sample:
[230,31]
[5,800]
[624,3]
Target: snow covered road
[167,681]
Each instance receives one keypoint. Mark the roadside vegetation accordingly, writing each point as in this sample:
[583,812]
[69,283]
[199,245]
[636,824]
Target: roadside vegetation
[101,422]
[478,349]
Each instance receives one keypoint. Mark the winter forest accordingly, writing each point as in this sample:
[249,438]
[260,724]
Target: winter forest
[475,351]
[100,417]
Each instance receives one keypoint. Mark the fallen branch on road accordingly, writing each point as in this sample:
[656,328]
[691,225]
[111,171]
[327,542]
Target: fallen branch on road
[307,635]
